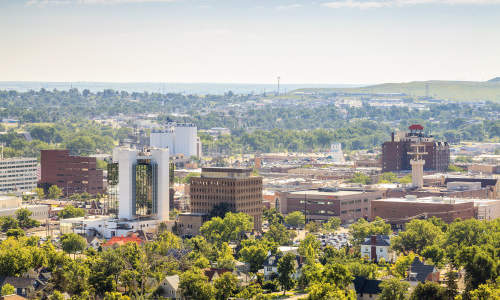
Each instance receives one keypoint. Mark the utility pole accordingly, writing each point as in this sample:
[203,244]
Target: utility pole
[279,85]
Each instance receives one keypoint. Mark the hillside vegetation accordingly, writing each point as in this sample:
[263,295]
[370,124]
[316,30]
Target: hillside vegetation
[448,90]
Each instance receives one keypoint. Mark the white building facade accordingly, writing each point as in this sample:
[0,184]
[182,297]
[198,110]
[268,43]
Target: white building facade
[179,138]
[19,174]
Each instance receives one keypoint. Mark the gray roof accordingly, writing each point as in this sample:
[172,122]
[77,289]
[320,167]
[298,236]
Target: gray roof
[382,240]
[421,270]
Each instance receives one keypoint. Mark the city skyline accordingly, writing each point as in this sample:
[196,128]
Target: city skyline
[324,42]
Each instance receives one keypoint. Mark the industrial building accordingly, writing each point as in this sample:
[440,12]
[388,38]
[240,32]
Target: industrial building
[237,187]
[18,174]
[398,211]
[324,203]
[73,174]
[179,138]
[396,154]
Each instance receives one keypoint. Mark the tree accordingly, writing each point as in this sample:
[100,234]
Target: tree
[486,292]
[15,232]
[8,289]
[70,211]
[273,216]
[363,229]
[230,228]
[295,219]
[72,243]
[309,247]
[337,274]
[8,222]
[227,285]
[54,192]
[278,234]
[451,284]
[418,235]
[225,258]
[429,291]
[387,177]
[313,227]
[56,295]
[286,269]
[328,291]
[403,263]
[23,217]
[40,193]
[254,253]
[332,224]
[360,178]
[194,285]
[393,289]
[479,266]
[435,253]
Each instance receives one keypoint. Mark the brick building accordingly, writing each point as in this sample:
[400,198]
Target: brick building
[398,211]
[73,174]
[236,187]
[324,203]
[395,152]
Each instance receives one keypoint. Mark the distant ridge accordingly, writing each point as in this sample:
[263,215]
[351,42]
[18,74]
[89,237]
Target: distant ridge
[439,89]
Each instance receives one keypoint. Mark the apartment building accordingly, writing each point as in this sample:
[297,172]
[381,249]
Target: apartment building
[18,174]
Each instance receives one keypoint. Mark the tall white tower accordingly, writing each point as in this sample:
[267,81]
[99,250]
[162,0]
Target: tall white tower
[417,164]
[143,183]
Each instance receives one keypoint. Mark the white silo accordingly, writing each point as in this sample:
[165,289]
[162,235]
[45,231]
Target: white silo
[163,139]
[185,139]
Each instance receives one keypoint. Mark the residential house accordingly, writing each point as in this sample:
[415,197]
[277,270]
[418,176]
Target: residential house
[214,273]
[420,272]
[271,267]
[377,247]
[366,289]
[25,287]
[170,287]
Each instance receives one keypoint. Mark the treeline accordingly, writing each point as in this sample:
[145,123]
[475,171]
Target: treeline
[81,138]
[360,135]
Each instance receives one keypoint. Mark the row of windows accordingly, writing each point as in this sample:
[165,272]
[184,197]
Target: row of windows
[232,190]
[19,179]
[198,182]
[353,210]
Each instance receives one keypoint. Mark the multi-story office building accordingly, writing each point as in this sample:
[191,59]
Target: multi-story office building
[143,183]
[237,187]
[18,174]
[324,203]
[395,155]
[73,174]
[179,138]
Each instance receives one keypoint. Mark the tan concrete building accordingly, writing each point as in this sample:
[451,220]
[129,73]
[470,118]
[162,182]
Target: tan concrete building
[324,203]
[188,224]
[237,187]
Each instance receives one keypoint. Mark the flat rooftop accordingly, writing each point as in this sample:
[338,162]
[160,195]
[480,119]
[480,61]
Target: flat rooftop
[321,193]
[438,200]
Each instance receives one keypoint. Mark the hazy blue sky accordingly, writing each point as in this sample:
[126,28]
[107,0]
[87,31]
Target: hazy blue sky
[345,41]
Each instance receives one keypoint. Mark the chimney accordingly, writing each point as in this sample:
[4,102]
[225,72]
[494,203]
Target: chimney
[373,240]
[392,136]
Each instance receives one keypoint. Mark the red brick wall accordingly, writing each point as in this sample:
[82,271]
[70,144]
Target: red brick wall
[73,174]
[394,211]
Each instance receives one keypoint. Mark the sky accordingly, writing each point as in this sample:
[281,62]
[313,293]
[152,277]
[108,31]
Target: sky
[249,41]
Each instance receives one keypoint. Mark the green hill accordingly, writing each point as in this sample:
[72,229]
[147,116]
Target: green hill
[448,90]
